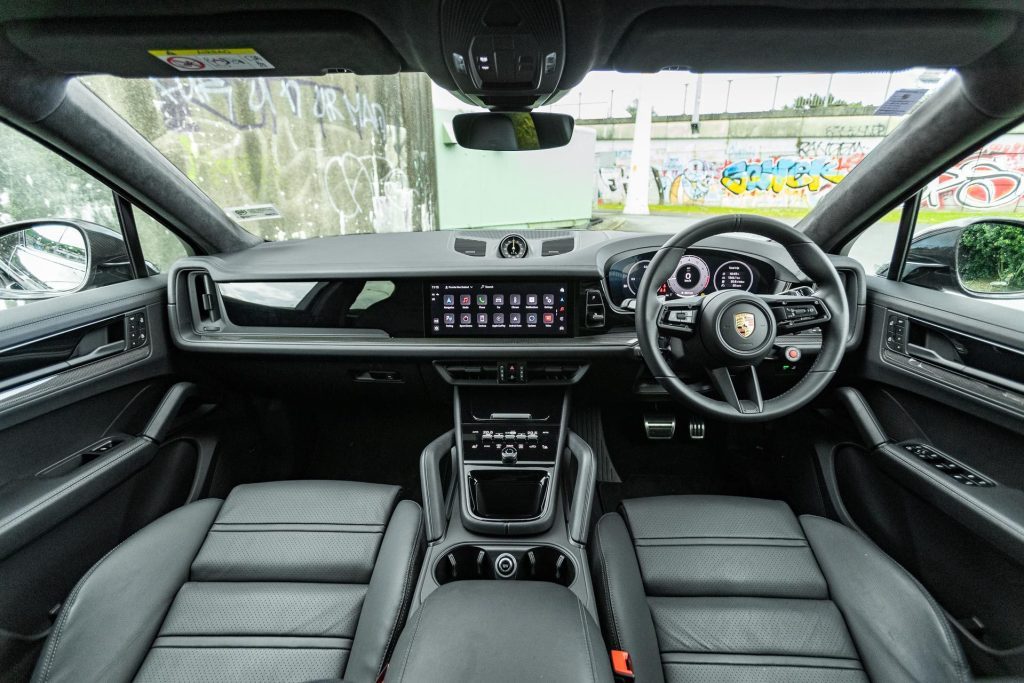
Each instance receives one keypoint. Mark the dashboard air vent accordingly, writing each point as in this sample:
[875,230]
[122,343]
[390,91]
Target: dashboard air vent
[562,245]
[205,304]
[470,247]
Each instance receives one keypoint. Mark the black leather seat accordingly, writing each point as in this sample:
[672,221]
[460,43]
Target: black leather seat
[282,581]
[709,588]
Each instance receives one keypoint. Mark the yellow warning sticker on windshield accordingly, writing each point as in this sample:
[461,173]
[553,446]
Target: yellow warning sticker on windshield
[232,59]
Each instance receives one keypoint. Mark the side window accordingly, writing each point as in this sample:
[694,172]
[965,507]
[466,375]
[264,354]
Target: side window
[969,235]
[874,246]
[59,231]
[160,246]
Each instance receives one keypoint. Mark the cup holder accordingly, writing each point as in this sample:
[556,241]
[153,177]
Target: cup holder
[537,563]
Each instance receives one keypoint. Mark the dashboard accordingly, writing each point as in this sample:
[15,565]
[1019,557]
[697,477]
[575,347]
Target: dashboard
[698,272]
[560,295]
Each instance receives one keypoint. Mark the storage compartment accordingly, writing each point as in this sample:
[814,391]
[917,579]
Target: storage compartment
[507,494]
[536,563]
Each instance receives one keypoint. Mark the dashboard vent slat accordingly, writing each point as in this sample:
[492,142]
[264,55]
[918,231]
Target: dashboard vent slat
[470,247]
[555,247]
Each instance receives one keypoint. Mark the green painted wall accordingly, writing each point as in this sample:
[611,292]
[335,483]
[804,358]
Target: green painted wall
[546,188]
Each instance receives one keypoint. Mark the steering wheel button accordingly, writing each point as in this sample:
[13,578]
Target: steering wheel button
[793,354]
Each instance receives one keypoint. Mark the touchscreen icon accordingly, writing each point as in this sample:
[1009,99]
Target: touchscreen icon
[465,299]
[498,299]
[531,318]
[549,300]
[449,318]
[515,319]
[531,299]
[481,299]
[549,318]
[449,300]
[466,319]
[481,319]
[499,318]
[514,300]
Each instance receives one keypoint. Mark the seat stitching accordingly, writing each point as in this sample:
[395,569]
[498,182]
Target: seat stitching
[66,610]
[958,656]
[403,605]
[412,641]
[608,588]
[586,640]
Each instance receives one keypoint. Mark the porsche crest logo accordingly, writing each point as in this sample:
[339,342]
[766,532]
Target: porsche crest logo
[745,324]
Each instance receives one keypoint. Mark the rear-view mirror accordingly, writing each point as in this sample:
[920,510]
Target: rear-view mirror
[512,131]
[990,258]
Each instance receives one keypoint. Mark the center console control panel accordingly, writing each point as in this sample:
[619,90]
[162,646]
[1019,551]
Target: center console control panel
[509,443]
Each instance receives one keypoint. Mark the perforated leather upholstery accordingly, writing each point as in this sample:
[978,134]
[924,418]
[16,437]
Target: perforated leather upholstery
[709,588]
[284,581]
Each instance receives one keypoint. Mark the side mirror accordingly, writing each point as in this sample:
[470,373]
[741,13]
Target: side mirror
[41,259]
[512,131]
[990,258]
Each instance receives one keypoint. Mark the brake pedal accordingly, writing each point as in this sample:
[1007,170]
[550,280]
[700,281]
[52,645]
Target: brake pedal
[697,428]
[660,427]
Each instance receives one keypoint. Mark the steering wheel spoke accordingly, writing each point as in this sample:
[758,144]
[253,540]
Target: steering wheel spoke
[795,313]
[679,317]
[725,383]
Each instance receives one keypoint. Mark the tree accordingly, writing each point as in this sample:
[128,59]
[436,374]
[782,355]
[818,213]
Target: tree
[816,101]
[992,253]
[632,107]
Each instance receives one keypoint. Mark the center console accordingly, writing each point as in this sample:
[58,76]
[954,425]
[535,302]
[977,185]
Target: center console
[508,492]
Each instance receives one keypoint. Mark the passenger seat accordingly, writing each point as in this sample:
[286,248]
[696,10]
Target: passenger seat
[282,581]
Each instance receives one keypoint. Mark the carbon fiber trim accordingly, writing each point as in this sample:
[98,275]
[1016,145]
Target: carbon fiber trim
[19,396]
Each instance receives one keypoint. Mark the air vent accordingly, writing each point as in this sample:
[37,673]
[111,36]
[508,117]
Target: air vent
[480,372]
[205,304]
[556,247]
[470,247]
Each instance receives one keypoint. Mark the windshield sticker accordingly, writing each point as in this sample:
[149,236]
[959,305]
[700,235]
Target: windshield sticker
[234,59]
[257,212]
[900,102]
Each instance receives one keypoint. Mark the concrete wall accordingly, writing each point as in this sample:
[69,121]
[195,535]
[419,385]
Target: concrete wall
[337,154]
[785,161]
[545,188]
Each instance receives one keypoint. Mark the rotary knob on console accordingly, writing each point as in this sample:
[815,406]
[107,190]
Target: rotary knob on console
[505,566]
[509,455]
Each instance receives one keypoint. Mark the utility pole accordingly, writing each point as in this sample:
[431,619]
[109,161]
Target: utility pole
[695,119]
[775,95]
[686,96]
[611,105]
[640,158]
[728,92]
[579,105]
[828,90]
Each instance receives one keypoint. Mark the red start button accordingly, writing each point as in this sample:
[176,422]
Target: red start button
[792,354]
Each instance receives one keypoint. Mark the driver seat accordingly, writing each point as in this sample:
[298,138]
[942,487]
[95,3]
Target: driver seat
[717,588]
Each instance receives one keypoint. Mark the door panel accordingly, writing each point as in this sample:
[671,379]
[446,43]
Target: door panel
[938,478]
[81,464]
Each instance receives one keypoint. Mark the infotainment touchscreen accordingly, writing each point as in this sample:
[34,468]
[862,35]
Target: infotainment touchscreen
[499,309]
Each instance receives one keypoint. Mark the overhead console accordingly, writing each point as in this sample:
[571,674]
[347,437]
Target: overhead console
[504,55]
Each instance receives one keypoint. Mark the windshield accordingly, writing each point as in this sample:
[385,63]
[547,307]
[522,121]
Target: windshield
[295,158]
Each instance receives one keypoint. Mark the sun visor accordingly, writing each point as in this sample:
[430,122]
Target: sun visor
[266,44]
[763,40]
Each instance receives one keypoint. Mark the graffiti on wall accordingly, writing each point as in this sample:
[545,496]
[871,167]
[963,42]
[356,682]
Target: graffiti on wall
[780,174]
[991,179]
[739,172]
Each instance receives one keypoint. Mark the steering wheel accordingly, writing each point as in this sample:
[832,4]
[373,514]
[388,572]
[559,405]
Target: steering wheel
[729,332]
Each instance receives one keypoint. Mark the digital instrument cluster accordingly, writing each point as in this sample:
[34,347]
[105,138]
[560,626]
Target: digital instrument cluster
[510,309]
[697,273]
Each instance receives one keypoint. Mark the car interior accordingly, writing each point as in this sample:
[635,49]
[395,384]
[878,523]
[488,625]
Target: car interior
[725,451]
